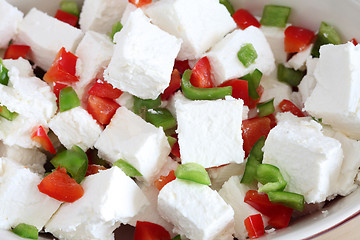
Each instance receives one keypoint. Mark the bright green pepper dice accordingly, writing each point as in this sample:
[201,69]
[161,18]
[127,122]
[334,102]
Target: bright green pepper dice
[26,231]
[290,76]
[275,16]
[68,99]
[70,7]
[160,117]
[253,83]
[266,108]
[255,158]
[228,6]
[271,177]
[327,35]
[5,113]
[4,78]
[127,168]
[193,172]
[142,105]
[247,54]
[116,27]
[288,199]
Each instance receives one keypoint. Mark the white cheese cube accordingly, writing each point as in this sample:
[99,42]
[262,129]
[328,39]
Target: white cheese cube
[9,235]
[219,175]
[21,200]
[299,60]
[75,127]
[128,9]
[309,161]
[233,192]
[110,198]
[21,65]
[336,102]
[94,53]
[10,17]
[308,83]
[100,15]
[130,138]
[143,58]
[196,210]
[225,63]
[46,36]
[126,100]
[275,37]
[209,132]
[200,24]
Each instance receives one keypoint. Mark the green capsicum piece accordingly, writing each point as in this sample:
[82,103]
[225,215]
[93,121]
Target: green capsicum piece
[290,76]
[193,172]
[275,16]
[5,113]
[288,199]
[142,105]
[116,27]
[26,231]
[70,7]
[327,34]
[68,99]
[266,108]
[127,168]
[4,77]
[160,117]
[228,6]
[247,54]
[253,83]
[271,177]
[196,93]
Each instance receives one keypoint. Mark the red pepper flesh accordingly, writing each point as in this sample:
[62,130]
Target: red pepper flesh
[16,51]
[254,226]
[244,19]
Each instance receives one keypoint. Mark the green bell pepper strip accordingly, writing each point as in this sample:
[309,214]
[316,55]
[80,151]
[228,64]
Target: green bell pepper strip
[290,76]
[68,99]
[228,6]
[70,7]
[247,54]
[255,158]
[177,237]
[193,172]
[160,117]
[327,34]
[116,27]
[4,77]
[26,231]
[5,113]
[196,93]
[74,160]
[127,168]
[275,16]
[266,108]
[271,177]
[253,83]
[171,141]
[142,105]
[288,199]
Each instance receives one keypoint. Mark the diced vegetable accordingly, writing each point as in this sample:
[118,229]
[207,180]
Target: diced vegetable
[150,231]
[289,75]
[102,109]
[41,137]
[163,180]
[140,3]
[201,74]
[105,90]
[177,237]
[193,172]
[254,82]
[271,177]
[175,84]
[4,78]
[288,106]
[26,231]
[61,186]
[93,169]
[275,16]
[252,130]
[181,66]
[254,226]
[244,19]
[288,199]
[171,140]
[70,7]
[254,102]
[239,89]
[228,6]
[247,54]
[266,108]
[195,93]
[16,51]
[253,161]
[160,117]
[68,99]
[5,113]
[326,35]
[175,150]
[127,168]
[142,105]
[66,17]
[75,161]
[116,27]
[354,41]
[297,38]
[56,89]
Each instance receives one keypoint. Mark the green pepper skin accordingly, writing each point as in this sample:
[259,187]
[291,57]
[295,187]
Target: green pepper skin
[266,108]
[26,231]
[290,76]
[70,7]
[253,83]
[4,78]
[5,113]
[275,16]
[327,34]
[116,27]
[193,172]
[271,177]
[255,158]
[288,199]
[68,99]
[160,117]
[127,168]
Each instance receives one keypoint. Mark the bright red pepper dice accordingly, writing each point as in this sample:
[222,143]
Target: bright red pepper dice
[163,180]
[140,3]
[102,109]
[297,39]
[150,231]
[254,226]
[104,89]
[288,106]
[175,84]
[201,74]
[244,19]
[41,137]
[252,130]
[239,89]
[16,51]
[66,17]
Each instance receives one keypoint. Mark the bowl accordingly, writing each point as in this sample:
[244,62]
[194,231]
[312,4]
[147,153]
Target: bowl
[344,16]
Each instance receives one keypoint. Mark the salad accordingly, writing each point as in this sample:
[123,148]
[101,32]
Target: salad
[184,119]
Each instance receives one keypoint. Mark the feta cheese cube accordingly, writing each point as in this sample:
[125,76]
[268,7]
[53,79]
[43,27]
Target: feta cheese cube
[309,161]
[130,138]
[10,17]
[209,132]
[46,36]
[110,198]
[20,65]
[336,102]
[220,175]
[143,58]
[299,60]
[100,15]
[200,24]
[126,100]
[308,83]
[75,127]
[275,37]
[225,63]
[128,9]
[21,200]
[196,210]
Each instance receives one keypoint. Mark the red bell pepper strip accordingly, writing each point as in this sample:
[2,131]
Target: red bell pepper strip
[56,89]
[163,180]
[41,137]
[150,231]
[252,130]
[175,84]
[16,51]
[104,89]
[140,3]
[239,89]
[244,19]
[66,17]
[297,39]
[288,106]
[102,109]
[254,226]
[61,186]
[201,74]
[181,66]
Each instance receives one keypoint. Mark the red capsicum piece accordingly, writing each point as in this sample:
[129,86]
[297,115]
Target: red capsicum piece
[150,231]
[201,74]
[252,130]
[93,169]
[163,180]
[297,39]
[102,109]
[239,89]
[66,17]
[288,106]
[41,137]
[140,3]
[104,89]
[16,51]
[175,84]
[252,102]
[244,19]
[56,89]
[181,66]
[353,41]
[254,226]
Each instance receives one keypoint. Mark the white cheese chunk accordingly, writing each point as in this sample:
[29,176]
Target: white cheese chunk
[225,63]
[308,83]
[219,175]
[299,60]
[275,36]
[75,127]
[126,100]
[196,210]
[130,138]
[9,235]
[143,58]
[309,161]
[200,24]
[209,132]
[128,9]
[110,198]
[46,36]
[10,17]
[21,65]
